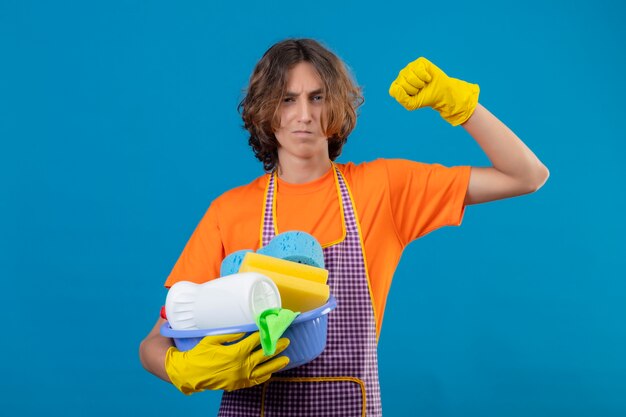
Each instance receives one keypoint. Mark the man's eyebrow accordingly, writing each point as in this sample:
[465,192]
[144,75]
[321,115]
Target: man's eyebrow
[312,93]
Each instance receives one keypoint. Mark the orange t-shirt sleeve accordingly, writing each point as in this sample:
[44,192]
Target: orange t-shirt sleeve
[425,197]
[201,259]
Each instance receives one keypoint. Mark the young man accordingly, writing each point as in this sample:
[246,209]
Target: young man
[299,108]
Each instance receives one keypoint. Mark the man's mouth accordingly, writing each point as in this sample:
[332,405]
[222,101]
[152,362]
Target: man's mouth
[303,134]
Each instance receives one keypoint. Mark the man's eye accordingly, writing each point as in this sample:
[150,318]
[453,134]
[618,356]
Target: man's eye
[318,98]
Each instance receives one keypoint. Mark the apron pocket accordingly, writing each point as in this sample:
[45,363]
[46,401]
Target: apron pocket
[313,397]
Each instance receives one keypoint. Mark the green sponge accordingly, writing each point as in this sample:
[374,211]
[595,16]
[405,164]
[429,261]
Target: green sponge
[272,324]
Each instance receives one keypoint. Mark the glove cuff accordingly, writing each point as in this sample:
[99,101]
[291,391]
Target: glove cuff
[172,363]
[462,104]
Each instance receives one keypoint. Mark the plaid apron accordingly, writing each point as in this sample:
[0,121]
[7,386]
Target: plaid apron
[343,380]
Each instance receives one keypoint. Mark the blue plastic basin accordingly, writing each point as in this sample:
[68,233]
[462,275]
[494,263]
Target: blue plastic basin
[307,335]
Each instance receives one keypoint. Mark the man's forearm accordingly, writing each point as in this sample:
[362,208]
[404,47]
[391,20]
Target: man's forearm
[152,352]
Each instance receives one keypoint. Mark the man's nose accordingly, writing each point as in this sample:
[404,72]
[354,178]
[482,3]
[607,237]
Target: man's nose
[304,111]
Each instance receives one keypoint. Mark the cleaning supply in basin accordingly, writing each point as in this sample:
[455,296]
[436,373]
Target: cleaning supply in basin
[231,300]
[302,287]
[272,324]
[230,264]
[295,246]
[257,261]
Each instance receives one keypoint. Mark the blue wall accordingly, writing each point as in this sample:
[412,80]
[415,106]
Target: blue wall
[118,126]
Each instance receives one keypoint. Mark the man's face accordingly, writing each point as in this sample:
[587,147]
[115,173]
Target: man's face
[300,134]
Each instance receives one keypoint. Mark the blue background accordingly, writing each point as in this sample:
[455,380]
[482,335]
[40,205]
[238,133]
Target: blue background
[118,126]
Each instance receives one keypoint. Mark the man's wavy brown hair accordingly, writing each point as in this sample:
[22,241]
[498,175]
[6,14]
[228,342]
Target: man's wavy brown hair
[265,92]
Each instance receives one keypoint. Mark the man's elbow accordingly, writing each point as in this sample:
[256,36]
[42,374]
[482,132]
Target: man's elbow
[142,355]
[540,176]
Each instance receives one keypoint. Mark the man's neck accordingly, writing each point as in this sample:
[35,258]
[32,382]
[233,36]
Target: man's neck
[298,171]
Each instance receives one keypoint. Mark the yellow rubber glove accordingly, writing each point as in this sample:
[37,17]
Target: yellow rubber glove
[422,84]
[213,365]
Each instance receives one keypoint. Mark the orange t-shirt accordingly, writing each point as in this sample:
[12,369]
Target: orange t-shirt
[396,201]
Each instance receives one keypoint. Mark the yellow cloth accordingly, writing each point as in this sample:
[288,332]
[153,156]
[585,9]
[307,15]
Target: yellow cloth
[423,84]
[213,365]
